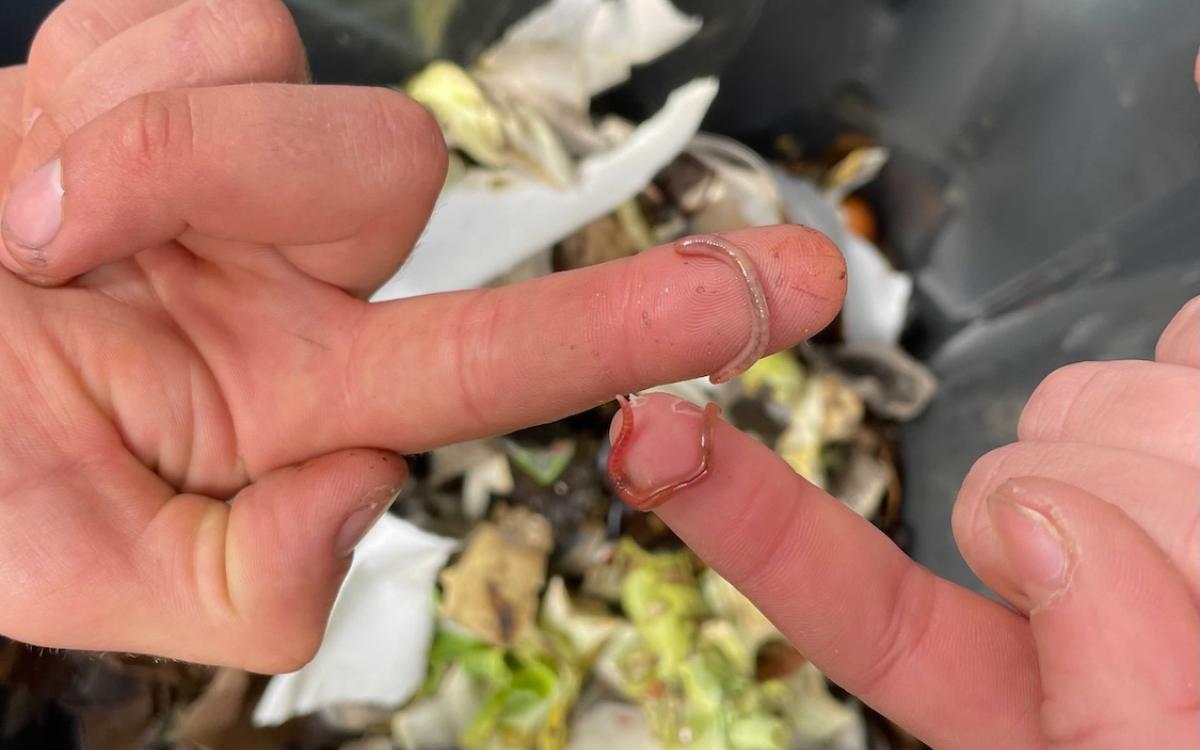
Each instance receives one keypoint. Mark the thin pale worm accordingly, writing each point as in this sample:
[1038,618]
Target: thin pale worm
[714,246]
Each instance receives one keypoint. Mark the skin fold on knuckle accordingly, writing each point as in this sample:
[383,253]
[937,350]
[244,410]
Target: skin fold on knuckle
[611,328]
[1069,724]
[969,509]
[474,332]
[969,518]
[281,647]
[71,26]
[398,144]
[903,635]
[1056,400]
[1182,334]
[767,543]
[263,33]
[155,131]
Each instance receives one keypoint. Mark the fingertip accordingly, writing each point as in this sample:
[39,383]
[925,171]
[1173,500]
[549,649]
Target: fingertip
[1180,341]
[663,446]
[804,275]
[406,121]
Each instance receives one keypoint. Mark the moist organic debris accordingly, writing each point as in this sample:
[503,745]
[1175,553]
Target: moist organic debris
[543,465]
[492,590]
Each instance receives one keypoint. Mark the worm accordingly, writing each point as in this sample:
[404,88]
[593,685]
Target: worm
[760,328]
[645,500]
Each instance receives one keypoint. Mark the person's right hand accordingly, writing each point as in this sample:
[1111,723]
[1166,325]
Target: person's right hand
[1089,526]
[202,334]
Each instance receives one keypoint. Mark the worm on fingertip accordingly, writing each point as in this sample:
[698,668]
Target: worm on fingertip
[648,499]
[714,246]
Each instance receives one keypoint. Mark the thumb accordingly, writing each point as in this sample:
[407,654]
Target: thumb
[1114,625]
[256,578]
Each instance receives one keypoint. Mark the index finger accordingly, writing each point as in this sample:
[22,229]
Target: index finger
[952,667]
[471,364]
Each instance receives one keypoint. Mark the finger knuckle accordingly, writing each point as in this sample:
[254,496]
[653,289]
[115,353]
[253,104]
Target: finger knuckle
[70,26]
[1056,399]
[474,333]
[983,476]
[154,127]
[1182,334]
[265,34]
[904,632]
[765,550]
[1069,723]
[1072,725]
[287,650]
[626,342]
[405,139]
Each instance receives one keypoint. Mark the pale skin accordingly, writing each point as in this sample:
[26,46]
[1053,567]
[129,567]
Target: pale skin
[190,328]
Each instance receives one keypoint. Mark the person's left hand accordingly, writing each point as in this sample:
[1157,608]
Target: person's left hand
[202,335]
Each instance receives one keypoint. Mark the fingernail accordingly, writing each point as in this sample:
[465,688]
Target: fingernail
[360,521]
[31,119]
[33,213]
[1038,552]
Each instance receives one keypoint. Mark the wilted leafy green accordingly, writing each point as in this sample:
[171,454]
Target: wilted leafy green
[780,374]
[542,465]
[495,133]
[693,675]
[684,653]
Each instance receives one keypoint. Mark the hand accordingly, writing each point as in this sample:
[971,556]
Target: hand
[1089,526]
[200,334]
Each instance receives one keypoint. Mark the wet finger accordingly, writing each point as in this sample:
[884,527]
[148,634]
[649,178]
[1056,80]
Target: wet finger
[909,644]
[468,364]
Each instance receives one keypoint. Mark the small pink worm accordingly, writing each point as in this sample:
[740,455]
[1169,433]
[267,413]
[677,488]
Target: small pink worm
[649,499]
[722,249]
